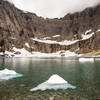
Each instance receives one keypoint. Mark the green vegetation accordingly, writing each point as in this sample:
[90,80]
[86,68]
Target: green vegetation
[94,53]
[98,53]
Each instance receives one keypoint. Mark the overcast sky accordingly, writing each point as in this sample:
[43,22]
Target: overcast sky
[54,8]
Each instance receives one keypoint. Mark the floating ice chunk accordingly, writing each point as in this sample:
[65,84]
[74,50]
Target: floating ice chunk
[8,74]
[55,82]
[44,87]
[86,59]
[6,71]
[55,79]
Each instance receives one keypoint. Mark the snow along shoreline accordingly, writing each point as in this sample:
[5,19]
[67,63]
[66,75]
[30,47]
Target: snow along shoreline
[23,53]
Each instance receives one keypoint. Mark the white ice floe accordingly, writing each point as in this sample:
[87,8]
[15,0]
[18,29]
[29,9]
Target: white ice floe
[87,36]
[55,79]
[86,60]
[8,74]
[55,82]
[27,45]
[97,58]
[65,42]
[56,36]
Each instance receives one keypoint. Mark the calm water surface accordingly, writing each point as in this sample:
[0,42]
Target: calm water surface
[85,76]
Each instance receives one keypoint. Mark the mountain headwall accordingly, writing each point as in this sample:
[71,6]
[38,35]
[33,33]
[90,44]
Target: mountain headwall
[18,27]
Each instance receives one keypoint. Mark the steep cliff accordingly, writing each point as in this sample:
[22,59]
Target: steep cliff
[18,28]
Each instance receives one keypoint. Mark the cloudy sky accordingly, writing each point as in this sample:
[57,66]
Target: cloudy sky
[54,8]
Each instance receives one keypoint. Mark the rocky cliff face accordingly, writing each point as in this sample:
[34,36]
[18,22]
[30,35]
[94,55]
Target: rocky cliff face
[18,28]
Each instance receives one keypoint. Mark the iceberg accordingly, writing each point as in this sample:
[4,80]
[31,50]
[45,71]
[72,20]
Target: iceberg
[55,79]
[8,74]
[55,82]
[86,60]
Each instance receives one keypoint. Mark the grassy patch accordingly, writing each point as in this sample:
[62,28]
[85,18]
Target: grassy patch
[98,53]
[94,53]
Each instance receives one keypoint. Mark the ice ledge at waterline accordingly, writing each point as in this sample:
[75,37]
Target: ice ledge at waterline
[82,60]
[55,82]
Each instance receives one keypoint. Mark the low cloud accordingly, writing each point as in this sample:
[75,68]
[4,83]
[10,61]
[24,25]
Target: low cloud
[54,8]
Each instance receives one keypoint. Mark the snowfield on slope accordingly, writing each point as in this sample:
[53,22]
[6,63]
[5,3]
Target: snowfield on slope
[65,42]
[87,36]
[47,40]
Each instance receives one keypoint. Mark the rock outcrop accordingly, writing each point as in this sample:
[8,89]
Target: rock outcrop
[18,28]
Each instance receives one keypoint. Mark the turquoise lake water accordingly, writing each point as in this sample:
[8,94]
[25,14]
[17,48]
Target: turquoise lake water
[85,76]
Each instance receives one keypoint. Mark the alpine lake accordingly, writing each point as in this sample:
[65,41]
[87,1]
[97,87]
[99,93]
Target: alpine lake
[85,76]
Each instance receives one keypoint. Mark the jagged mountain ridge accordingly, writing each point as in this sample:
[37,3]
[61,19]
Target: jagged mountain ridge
[18,28]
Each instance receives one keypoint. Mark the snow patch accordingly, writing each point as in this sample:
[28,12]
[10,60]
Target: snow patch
[22,51]
[55,82]
[69,54]
[98,30]
[44,41]
[66,42]
[56,36]
[8,74]
[82,60]
[57,54]
[88,31]
[27,45]
[87,36]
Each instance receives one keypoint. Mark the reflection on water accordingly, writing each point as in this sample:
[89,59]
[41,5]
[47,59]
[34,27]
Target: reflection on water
[85,76]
